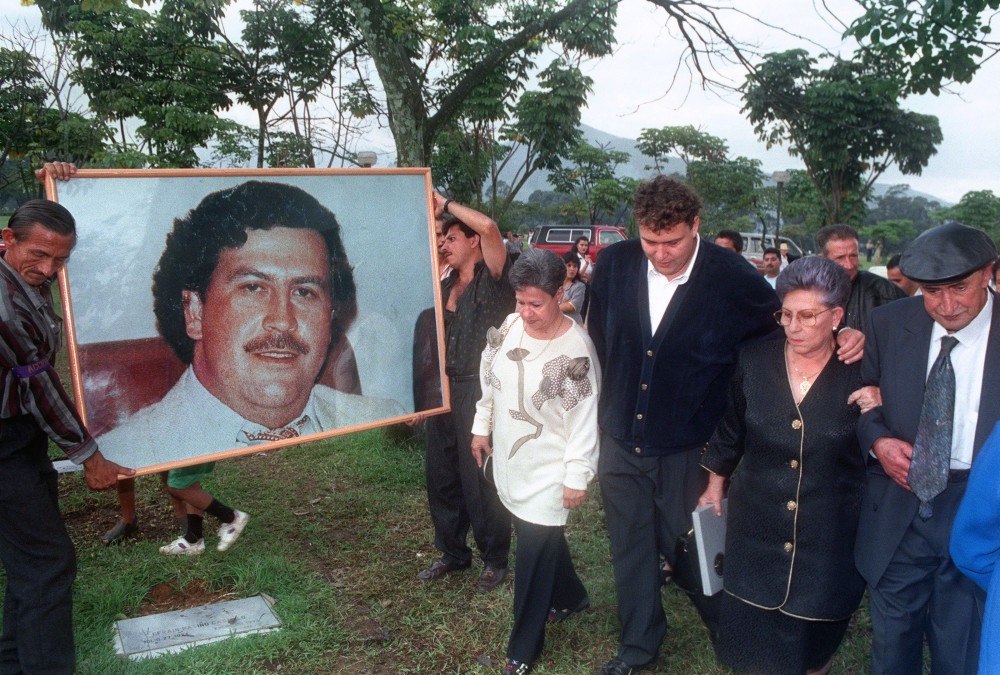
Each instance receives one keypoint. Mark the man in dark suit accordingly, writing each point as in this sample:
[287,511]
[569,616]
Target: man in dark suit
[668,316]
[902,544]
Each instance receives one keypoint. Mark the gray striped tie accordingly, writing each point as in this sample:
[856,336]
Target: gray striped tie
[928,475]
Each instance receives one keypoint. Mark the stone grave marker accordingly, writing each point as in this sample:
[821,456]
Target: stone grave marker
[170,632]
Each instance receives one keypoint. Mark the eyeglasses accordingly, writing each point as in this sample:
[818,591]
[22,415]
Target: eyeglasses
[806,317]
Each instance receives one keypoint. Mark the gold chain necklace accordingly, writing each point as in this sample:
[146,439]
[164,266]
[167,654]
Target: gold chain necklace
[806,382]
[524,331]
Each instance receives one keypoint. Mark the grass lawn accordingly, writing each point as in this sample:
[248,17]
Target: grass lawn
[338,532]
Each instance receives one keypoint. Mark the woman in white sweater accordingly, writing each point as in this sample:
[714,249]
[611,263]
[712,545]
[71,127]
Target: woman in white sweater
[540,384]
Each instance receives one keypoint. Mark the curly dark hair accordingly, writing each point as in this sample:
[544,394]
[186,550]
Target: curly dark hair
[223,220]
[661,203]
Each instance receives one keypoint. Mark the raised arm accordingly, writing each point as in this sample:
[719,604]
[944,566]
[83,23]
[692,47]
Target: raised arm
[490,239]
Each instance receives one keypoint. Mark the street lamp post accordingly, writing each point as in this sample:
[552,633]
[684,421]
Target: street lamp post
[780,177]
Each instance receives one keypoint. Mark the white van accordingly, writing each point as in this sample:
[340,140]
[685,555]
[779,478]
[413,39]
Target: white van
[753,247]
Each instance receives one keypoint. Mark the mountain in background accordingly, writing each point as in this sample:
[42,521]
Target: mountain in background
[636,167]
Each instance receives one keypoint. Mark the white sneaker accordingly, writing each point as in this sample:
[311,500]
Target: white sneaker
[182,546]
[230,532]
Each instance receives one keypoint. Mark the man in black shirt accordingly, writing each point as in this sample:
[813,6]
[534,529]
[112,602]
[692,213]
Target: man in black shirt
[839,243]
[476,296]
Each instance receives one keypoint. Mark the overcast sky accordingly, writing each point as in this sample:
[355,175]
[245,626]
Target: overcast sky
[632,91]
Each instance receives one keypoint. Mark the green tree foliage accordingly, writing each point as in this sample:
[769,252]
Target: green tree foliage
[979,208]
[844,122]
[729,189]
[589,175]
[894,234]
[441,61]
[802,210]
[934,41]
[33,129]
[896,204]
[686,142]
[162,69]
[289,53]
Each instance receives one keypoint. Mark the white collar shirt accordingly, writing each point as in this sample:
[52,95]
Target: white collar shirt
[661,289]
[968,359]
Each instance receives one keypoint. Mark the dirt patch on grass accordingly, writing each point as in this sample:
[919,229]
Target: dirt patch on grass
[166,597]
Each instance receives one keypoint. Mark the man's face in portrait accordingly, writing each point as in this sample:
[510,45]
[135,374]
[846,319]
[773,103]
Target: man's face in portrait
[262,331]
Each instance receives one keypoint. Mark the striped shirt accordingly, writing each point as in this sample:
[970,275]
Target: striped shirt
[30,337]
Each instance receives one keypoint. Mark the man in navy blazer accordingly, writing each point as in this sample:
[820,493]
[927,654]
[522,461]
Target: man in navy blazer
[668,315]
[915,589]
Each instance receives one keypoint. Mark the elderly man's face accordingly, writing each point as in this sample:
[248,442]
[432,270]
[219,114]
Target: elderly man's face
[262,331]
[39,254]
[955,305]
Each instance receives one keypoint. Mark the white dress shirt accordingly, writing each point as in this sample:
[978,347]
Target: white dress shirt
[968,359]
[661,289]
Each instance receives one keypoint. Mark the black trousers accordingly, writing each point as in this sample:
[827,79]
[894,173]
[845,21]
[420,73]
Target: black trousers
[544,577]
[37,555]
[647,505]
[923,595]
[457,492]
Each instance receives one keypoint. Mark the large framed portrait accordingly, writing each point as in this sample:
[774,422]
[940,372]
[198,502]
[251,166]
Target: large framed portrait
[216,313]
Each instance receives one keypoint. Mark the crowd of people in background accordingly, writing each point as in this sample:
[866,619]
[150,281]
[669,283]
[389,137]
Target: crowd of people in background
[848,419]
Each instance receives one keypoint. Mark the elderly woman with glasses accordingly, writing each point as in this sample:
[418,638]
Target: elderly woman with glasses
[540,389]
[789,428]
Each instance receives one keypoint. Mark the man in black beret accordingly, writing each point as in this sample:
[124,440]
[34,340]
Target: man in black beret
[936,358]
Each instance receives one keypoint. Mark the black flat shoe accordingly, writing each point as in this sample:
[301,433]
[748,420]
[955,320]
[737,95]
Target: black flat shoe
[120,531]
[557,615]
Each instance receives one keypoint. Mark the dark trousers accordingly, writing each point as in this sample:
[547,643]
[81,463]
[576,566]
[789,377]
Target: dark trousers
[922,594]
[457,492]
[544,577]
[37,555]
[647,505]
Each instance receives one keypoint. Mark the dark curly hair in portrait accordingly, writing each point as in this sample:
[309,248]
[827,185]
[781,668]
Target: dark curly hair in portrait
[663,202]
[222,221]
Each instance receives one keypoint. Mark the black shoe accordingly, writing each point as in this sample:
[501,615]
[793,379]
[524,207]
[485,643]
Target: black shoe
[490,578]
[514,667]
[557,615]
[120,531]
[618,667]
[440,568]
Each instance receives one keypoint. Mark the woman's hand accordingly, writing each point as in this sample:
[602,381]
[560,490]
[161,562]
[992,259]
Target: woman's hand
[573,498]
[480,449]
[714,493]
[867,398]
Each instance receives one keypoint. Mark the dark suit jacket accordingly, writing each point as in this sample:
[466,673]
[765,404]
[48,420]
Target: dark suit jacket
[898,339]
[799,483]
[664,393]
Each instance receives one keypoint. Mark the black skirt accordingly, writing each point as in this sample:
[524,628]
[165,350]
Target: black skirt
[756,640]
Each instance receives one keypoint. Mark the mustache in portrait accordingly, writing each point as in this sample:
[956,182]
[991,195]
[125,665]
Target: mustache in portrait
[276,342]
